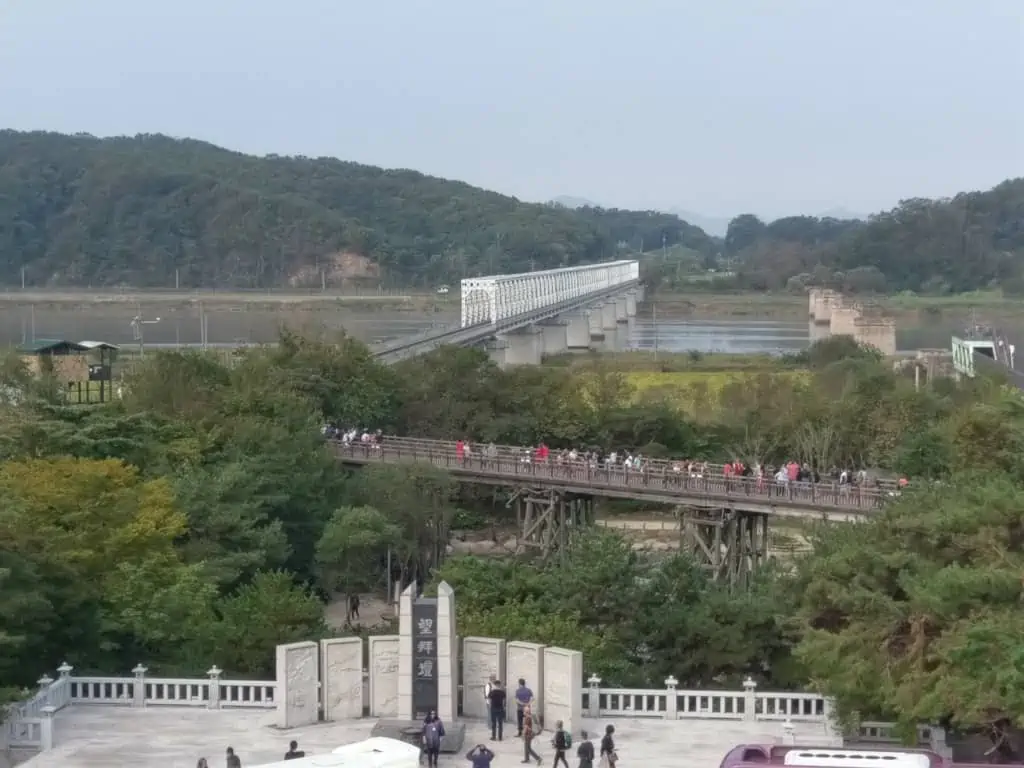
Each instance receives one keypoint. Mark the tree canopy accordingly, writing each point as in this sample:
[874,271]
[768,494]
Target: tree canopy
[202,520]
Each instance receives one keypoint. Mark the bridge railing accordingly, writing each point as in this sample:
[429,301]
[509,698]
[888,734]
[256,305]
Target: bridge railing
[519,465]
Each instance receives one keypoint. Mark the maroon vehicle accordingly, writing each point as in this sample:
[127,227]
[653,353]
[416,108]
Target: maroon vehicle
[759,755]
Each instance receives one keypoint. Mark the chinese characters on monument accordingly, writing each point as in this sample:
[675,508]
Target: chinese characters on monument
[424,656]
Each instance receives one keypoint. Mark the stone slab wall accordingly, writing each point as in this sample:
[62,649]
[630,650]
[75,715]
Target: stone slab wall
[563,672]
[341,667]
[481,658]
[298,681]
[525,661]
[384,676]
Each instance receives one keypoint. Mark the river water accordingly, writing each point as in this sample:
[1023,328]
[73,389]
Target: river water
[181,324]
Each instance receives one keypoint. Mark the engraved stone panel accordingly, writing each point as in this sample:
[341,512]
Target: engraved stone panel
[526,661]
[341,662]
[481,658]
[384,676]
[298,682]
[563,688]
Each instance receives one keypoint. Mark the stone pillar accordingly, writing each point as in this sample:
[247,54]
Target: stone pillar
[524,346]
[139,686]
[554,335]
[631,304]
[46,728]
[447,655]
[594,697]
[749,700]
[405,670]
[297,694]
[577,333]
[214,674]
[609,316]
[671,698]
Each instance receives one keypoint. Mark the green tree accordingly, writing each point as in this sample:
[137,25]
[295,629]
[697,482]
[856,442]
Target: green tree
[351,549]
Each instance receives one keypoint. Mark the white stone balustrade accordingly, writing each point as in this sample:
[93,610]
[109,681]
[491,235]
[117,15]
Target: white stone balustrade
[500,297]
[368,685]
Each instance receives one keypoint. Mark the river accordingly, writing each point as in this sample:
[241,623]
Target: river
[180,324]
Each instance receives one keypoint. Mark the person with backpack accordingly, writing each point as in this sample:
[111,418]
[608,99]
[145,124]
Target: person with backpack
[433,732]
[561,742]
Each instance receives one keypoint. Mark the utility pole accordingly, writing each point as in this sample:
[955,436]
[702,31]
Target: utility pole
[138,323]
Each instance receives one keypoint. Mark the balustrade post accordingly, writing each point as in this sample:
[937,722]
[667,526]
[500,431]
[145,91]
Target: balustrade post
[594,699]
[46,728]
[214,674]
[139,686]
[789,731]
[44,682]
[671,698]
[64,670]
[749,700]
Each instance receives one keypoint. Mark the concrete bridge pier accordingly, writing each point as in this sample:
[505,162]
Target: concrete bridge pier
[622,309]
[595,320]
[554,337]
[577,332]
[631,304]
[524,346]
[609,316]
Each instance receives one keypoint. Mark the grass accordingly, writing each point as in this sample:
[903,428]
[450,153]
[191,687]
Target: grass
[670,362]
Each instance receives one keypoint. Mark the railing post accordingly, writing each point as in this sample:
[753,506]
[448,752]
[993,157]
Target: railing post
[594,710]
[671,700]
[64,670]
[214,674]
[139,687]
[46,728]
[789,731]
[749,700]
[44,682]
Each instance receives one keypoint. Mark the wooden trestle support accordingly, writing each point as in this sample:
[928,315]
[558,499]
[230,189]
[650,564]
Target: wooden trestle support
[729,544]
[547,519]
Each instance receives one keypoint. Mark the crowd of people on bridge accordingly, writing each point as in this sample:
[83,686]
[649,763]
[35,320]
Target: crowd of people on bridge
[768,478]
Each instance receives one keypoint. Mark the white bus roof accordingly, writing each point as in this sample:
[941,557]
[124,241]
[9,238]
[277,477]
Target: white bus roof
[856,758]
[376,752]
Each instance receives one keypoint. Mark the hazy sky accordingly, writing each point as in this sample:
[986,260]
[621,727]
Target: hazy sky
[717,106]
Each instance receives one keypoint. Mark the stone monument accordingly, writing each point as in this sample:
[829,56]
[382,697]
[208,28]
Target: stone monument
[298,685]
[341,667]
[427,678]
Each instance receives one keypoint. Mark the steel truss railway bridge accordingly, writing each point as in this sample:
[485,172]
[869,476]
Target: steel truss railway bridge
[723,521]
[523,318]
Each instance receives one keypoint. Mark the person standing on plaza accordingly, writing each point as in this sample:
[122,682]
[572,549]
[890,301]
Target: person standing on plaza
[433,732]
[528,734]
[232,759]
[524,697]
[496,709]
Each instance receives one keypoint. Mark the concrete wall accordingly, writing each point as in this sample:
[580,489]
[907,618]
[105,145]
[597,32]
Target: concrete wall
[842,320]
[877,332]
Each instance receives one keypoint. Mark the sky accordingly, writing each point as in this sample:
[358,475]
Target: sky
[775,107]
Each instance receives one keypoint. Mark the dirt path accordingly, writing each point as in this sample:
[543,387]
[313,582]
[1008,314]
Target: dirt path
[373,611]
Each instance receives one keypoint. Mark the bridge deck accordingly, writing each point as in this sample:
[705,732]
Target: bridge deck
[659,484]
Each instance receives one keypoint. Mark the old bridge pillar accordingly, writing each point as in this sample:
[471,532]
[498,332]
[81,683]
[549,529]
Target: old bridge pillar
[547,519]
[729,544]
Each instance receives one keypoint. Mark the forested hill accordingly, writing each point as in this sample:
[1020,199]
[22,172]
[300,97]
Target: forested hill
[77,210]
[972,241]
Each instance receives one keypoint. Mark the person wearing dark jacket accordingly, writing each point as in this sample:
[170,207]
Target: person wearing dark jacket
[294,753]
[480,756]
[585,752]
[496,700]
[433,732]
[608,747]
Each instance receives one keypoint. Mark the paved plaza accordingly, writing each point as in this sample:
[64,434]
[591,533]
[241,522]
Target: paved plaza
[108,737]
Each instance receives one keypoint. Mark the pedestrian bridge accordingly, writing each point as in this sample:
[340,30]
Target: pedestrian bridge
[659,482]
[534,314]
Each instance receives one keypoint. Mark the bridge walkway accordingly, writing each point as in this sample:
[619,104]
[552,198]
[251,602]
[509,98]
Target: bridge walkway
[660,482]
